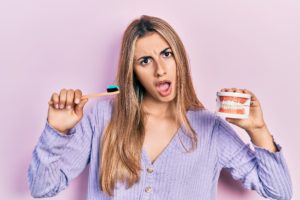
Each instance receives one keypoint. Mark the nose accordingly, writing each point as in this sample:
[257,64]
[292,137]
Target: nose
[160,69]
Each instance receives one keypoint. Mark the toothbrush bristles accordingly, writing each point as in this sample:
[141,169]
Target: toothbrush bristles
[112,88]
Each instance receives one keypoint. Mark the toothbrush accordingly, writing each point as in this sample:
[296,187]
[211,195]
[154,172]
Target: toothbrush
[110,90]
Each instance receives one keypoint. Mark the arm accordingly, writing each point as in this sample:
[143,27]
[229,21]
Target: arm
[58,157]
[263,170]
[63,149]
[260,170]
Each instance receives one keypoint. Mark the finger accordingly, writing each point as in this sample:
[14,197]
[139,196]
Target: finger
[253,96]
[248,92]
[254,100]
[229,119]
[54,100]
[78,95]
[234,89]
[62,98]
[238,90]
[233,120]
[80,106]
[230,90]
[70,99]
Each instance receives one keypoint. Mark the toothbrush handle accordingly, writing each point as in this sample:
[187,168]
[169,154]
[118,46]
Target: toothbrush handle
[98,95]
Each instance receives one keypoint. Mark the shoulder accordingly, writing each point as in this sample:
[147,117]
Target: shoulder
[103,105]
[207,123]
[205,117]
[101,109]
[202,117]
[203,122]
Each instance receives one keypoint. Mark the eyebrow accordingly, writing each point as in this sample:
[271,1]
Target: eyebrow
[162,52]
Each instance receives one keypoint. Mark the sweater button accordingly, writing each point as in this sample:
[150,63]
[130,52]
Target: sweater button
[148,189]
[150,170]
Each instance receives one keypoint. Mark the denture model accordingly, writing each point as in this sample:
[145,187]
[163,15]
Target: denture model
[233,104]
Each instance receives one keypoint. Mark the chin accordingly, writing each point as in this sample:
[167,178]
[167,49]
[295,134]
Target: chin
[167,99]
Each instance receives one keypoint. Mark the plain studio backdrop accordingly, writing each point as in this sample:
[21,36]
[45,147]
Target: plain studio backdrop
[46,45]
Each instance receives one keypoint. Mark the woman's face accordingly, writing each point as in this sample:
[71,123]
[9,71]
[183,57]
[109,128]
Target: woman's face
[155,67]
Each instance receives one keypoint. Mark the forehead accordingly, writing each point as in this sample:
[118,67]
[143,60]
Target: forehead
[151,42]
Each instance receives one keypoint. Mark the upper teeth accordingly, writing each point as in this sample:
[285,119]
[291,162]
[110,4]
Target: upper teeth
[232,105]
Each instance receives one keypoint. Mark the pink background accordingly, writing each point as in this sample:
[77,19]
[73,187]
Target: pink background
[48,45]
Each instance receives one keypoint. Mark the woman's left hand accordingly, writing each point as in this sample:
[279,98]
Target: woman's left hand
[254,125]
[255,120]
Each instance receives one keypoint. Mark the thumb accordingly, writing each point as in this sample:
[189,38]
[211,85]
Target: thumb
[237,122]
[228,120]
[80,106]
[233,121]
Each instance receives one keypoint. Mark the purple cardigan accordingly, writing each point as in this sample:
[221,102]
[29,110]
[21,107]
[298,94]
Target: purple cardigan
[175,174]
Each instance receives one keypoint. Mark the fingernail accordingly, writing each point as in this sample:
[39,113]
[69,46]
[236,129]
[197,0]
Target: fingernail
[68,107]
[56,106]
[61,106]
[77,101]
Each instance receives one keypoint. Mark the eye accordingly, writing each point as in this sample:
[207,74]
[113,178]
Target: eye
[167,54]
[145,61]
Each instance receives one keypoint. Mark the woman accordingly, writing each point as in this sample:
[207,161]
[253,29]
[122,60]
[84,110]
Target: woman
[154,140]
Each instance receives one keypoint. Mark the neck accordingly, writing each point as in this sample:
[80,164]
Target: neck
[157,108]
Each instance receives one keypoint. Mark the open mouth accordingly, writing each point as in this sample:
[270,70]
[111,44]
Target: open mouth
[163,88]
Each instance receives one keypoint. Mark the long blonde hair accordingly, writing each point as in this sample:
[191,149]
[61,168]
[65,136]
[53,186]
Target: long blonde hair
[122,140]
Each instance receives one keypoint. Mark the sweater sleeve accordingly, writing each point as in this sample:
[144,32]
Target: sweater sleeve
[260,170]
[59,158]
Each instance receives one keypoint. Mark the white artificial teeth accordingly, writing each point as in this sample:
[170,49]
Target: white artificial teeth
[231,105]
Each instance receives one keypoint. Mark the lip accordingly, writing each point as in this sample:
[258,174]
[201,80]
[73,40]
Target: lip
[160,82]
[164,93]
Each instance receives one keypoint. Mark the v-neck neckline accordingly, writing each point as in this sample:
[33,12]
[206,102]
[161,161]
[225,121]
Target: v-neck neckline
[164,152]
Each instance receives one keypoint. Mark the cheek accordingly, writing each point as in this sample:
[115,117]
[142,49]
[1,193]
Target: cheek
[144,77]
[146,82]
[138,73]
[172,68]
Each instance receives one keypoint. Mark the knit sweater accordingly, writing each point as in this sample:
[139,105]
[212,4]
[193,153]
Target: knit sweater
[174,175]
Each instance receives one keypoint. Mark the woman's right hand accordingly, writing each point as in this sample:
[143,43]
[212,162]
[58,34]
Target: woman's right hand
[65,109]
